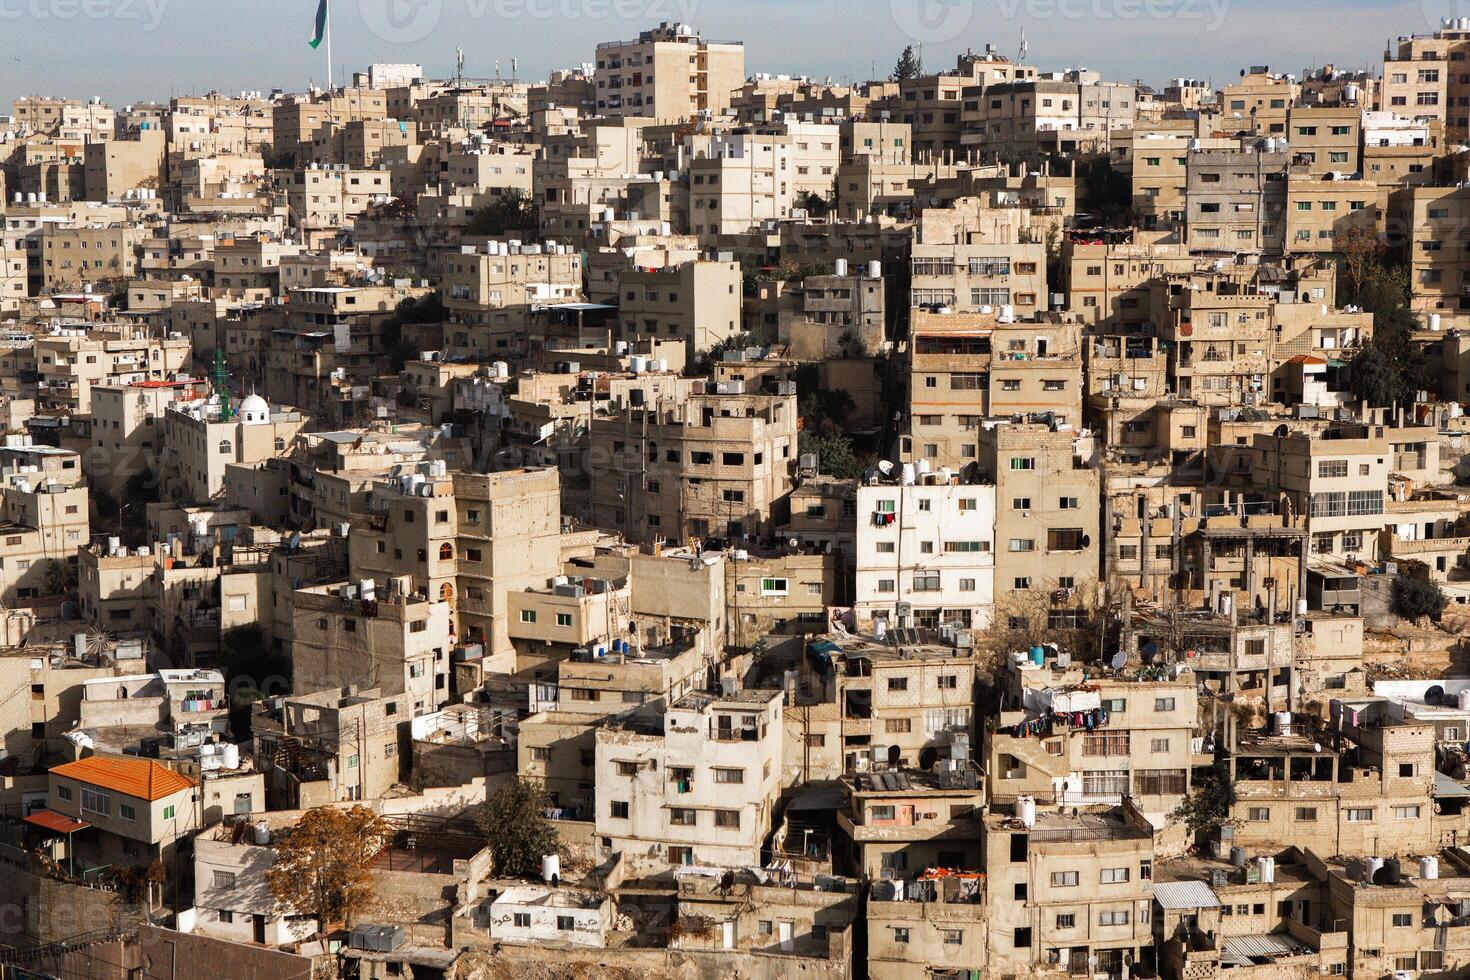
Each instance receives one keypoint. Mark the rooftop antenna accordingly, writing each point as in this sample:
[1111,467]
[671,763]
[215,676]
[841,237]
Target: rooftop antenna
[459,67]
[1022,56]
[221,381]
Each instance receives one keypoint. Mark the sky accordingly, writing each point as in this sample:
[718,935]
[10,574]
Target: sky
[134,50]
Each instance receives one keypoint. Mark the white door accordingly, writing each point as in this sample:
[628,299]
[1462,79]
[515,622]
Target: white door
[730,934]
[785,936]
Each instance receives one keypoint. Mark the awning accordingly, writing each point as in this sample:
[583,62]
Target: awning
[1244,950]
[57,823]
[1185,895]
[1445,786]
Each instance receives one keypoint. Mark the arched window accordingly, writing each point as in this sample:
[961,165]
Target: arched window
[446,592]
[225,448]
[446,551]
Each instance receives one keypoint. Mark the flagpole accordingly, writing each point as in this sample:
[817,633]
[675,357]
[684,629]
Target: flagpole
[329,50]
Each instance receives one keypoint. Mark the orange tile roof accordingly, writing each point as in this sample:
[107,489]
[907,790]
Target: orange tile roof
[142,779]
[56,822]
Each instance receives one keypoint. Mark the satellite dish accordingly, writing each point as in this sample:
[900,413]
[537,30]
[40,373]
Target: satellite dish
[885,467]
[1435,695]
[1119,661]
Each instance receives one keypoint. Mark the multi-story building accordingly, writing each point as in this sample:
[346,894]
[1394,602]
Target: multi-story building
[1236,199]
[669,73]
[696,785]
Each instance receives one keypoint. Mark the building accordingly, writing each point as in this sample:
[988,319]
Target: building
[669,73]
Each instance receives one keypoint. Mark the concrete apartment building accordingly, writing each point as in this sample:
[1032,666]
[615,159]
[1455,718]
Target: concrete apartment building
[1322,212]
[127,429]
[1428,223]
[43,520]
[1061,112]
[669,73]
[925,554]
[715,463]
[71,256]
[1327,139]
[491,292]
[1140,743]
[1260,103]
[1422,78]
[326,747]
[1108,276]
[329,197]
[696,786]
[394,641]
[831,316]
[740,182]
[201,438]
[1236,199]
[72,358]
[1071,888]
[694,302]
[1046,521]
[968,277]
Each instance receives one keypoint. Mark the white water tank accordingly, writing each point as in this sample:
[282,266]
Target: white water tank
[230,756]
[1283,723]
[1374,864]
[1429,867]
[1434,322]
[875,269]
[1026,810]
[1463,699]
[1267,865]
[551,867]
[839,267]
[906,475]
[262,833]
[368,589]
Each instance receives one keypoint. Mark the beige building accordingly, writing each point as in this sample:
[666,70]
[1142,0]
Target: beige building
[697,785]
[694,302]
[668,73]
[201,438]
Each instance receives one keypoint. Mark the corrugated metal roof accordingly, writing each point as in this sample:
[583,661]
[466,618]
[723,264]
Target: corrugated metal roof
[1245,948]
[1185,895]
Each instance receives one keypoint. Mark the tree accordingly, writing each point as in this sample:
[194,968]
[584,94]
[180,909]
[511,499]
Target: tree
[835,454]
[1376,380]
[322,863]
[1209,801]
[253,670]
[1415,598]
[909,65]
[1360,248]
[512,211]
[516,828]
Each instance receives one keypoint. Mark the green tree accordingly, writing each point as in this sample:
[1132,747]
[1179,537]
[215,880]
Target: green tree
[909,65]
[1209,801]
[516,828]
[835,454]
[322,864]
[253,670]
[1395,368]
[1415,598]
[512,211]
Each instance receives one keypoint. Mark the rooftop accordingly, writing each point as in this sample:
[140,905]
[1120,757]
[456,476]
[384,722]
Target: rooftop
[142,779]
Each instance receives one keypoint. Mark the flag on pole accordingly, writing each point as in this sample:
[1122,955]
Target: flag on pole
[321,24]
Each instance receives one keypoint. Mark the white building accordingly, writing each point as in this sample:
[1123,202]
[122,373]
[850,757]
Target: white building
[694,787]
[535,914]
[925,553]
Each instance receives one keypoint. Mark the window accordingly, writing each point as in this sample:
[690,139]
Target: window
[618,809]
[1113,876]
[774,586]
[1023,463]
[897,726]
[728,819]
[1067,920]
[898,683]
[729,775]
[565,923]
[1258,814]
[64,792]
[224,879]
[681,817]
[1306,814]
[126,812]
[1064,879]
[528,615]
[952,937]
[1158,745]
[563,619]
[1402,920]
[1112,918]
[1163,704]
[1406,813]
[168,812]
[900,935]
[96,802]
[521,920]
[1360,814]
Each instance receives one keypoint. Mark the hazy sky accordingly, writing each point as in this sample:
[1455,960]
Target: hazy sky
[130,50]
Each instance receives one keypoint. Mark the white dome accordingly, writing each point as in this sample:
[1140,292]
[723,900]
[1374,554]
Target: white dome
[255,410]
